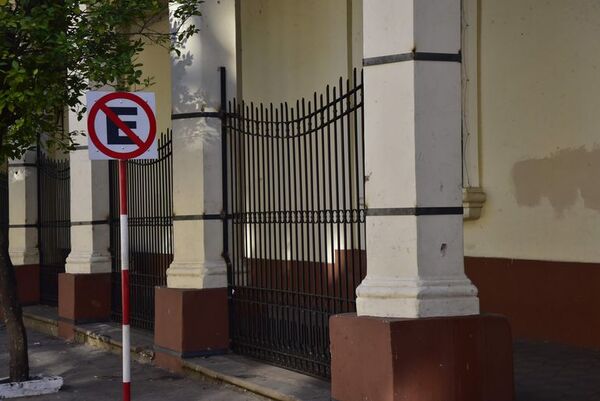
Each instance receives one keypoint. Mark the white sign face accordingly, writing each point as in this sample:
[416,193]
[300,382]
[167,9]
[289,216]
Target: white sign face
[121,125]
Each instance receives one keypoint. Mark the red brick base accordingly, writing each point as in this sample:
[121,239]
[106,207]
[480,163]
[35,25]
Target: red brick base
[450,359]
[189,323]
[82,298]
[28,284]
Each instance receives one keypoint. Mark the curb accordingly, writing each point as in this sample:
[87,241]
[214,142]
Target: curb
[41,324]
[236,381]
[146,356]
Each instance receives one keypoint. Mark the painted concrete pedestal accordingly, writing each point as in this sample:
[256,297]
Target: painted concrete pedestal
[28,284]
[466,358]
[84,298]
[189,323]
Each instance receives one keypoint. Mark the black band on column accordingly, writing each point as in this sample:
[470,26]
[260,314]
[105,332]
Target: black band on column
[416,211]
[191,217]
[21,165]
[89,223]
[416,56]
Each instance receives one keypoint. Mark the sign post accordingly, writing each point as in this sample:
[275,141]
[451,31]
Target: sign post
[122,126]
[124,228]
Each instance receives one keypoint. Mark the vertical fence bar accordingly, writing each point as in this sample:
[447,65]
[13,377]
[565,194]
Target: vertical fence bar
[150,187]
[53,181]
[224,170]
[296,177]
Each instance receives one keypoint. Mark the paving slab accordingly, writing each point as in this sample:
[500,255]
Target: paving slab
[263,379]
[94,375]
[555,372]
[543,371]
[269,380]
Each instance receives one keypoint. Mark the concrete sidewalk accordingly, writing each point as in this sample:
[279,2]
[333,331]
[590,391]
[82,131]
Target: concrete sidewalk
[94,375]
[543,372]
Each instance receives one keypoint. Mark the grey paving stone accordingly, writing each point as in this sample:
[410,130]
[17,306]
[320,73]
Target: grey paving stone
[94,375]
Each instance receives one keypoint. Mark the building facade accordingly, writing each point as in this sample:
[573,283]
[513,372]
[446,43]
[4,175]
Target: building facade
[293,216]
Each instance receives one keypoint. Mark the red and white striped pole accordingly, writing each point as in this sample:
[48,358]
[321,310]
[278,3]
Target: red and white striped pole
[125,281]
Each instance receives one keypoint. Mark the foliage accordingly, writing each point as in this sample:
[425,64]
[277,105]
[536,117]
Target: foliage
[53,51]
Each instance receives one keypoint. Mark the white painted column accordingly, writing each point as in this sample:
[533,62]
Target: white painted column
[197,176]
[413,161]
[23,210]
[90,210]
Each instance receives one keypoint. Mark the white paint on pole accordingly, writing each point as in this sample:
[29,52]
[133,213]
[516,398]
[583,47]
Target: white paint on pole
[124,224]
[126,354]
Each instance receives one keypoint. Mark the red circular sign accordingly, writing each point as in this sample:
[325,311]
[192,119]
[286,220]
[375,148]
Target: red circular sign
[101,105]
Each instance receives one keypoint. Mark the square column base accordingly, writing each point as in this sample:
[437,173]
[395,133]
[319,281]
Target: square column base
[82,298]
[189,323]
[28,284]
[467,358]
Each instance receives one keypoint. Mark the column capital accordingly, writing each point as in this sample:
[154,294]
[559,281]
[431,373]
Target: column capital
[194,274]
[84,262]
[415,297]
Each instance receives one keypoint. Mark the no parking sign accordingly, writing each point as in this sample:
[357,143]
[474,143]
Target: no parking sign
[122,125]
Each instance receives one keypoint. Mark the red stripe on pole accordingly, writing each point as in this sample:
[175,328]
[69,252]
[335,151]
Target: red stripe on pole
[123,185]
[126,391]
[125,280]
[125,295]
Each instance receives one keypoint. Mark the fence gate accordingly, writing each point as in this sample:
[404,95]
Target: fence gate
[150,201]
[297,241]
[54,223]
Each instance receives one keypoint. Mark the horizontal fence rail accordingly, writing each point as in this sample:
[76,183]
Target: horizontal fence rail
[297,242]
[54,223]
[150,206]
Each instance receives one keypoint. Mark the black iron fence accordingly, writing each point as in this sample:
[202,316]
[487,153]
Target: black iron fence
[150,207]
[54,223]
[297,241]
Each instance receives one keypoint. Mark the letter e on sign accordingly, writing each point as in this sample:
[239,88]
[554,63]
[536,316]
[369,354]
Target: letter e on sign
[121,125]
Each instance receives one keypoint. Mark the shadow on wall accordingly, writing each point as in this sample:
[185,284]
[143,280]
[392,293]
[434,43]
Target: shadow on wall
[195,76]
[186,99]
[561,178]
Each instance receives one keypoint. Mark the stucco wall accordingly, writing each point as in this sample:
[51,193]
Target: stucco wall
[539,131]
[157,65]
[290,48]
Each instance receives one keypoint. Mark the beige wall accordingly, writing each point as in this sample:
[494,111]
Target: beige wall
[539,131]
[157,64]
[290,49]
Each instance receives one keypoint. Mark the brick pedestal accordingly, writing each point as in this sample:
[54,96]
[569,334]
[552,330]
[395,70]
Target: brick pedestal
[28,284]
[189,323]
[450,358]
[82,298]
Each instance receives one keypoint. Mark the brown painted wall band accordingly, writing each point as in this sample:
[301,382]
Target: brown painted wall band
[543,300]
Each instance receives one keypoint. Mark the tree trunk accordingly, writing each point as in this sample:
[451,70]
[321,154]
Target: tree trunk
[13,314]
